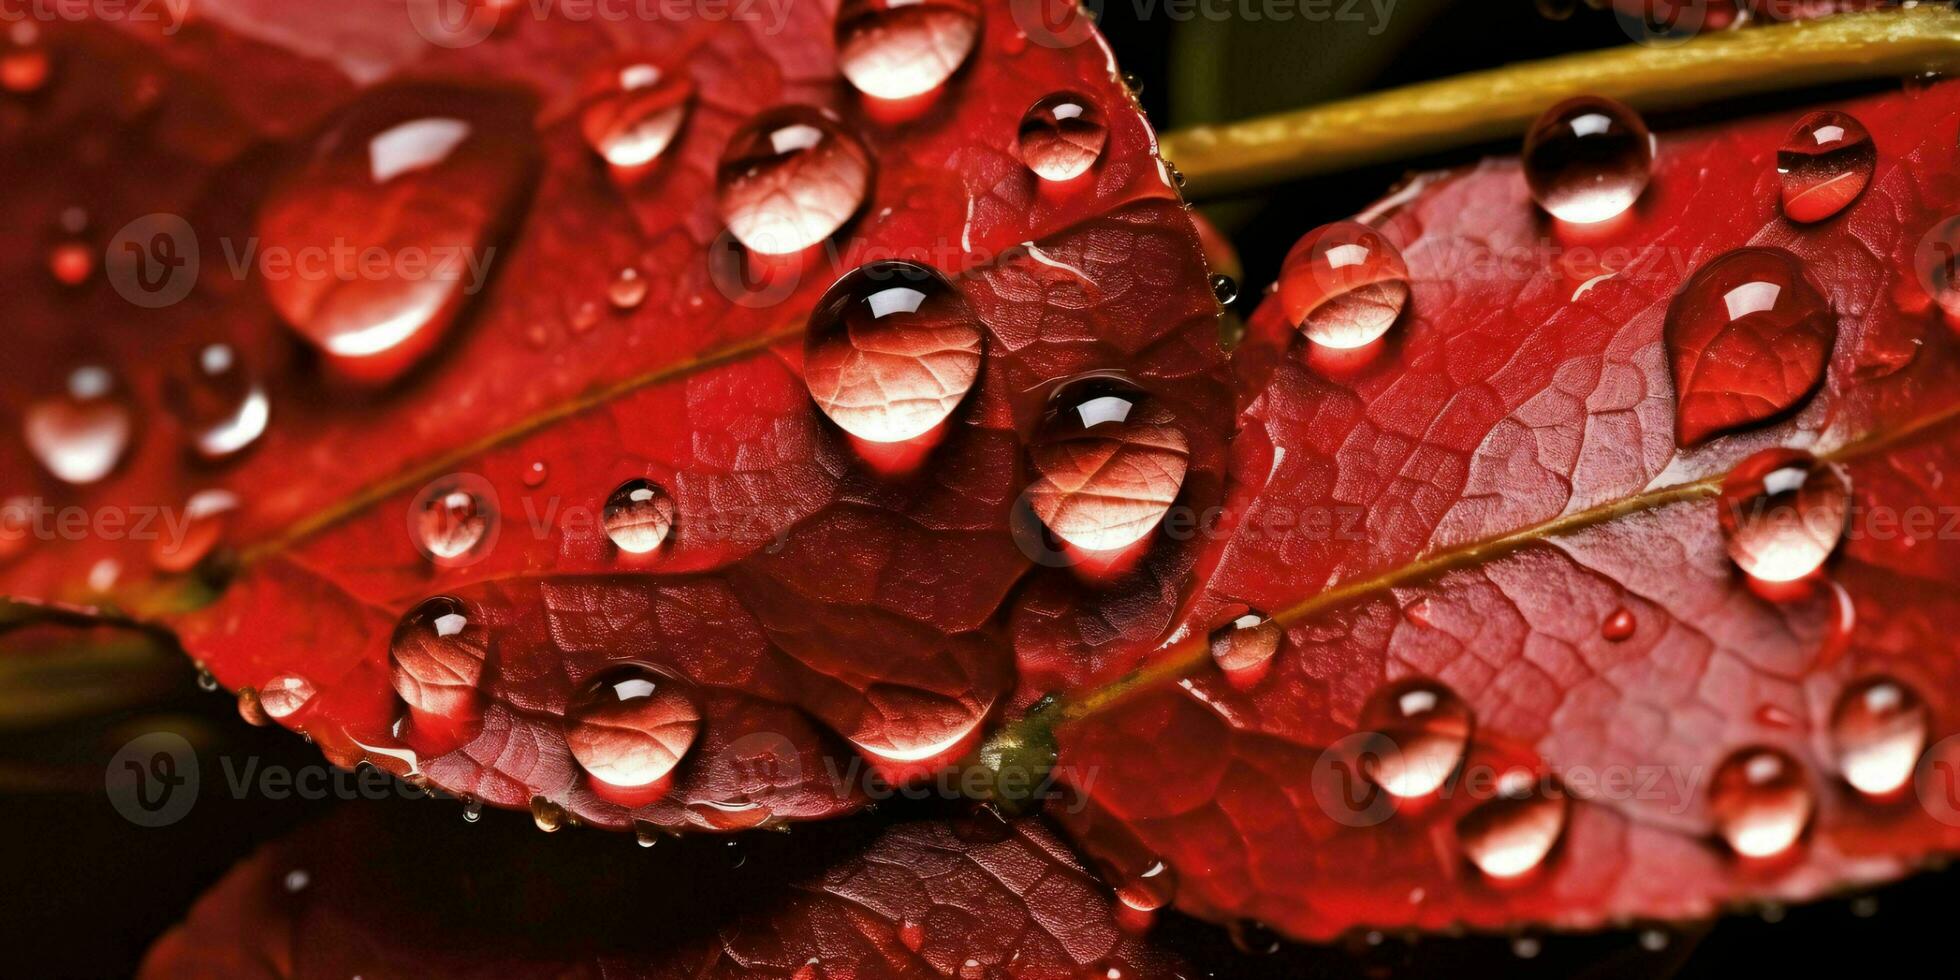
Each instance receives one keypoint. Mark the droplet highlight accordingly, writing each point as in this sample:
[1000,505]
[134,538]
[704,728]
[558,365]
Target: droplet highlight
[1878,731]
[1062,136]
[1343,285]
[891,351]
[1782,512]
[790,178]
[1424,729]
[1587,159]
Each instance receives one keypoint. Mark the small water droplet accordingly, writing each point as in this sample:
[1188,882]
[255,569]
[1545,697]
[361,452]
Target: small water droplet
[1513,833]
[1653,940]
[436,658]
[472,811]
[1825,163]
[1879,730]
[1109,461]
[448,166]
[24,58]
[631,728]
[1343,285]
[1139,898]
[632,110]
[83,433]
[1246,645]
[1224,288]
[71,263]
[1587,159]
[452,521]
[219,401]
[1737,301]
[645,834]
[184,544]
[789,178]
[638,515]
[1253,938]
[206,681]
[1761,801]
[891,351]
[534,474]
[1527,947]
[1782,512]
[250,708]
[547,815]
[1424,729]
[1133,82]
[296,880]
[627,290]
[898,49]
[285,695]
[1619,625]
[1062,136]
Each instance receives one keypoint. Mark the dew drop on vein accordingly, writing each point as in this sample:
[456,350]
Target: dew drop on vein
[632,110]
[1424,728]
[221,404]
[789,178]
[1062,136]
[631,728]
[899,49]
[84,432]
[1343,285]
[1782,512]
[1109,460]
[1244,647]
[1878,731]
[638,516]
[1587,159]
[891,350]
[1761,801]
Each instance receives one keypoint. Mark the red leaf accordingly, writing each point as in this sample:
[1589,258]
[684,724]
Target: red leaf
[1493,514]
[919,898]
[606,459]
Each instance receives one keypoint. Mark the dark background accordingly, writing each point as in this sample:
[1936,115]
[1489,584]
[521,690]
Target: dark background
[84,892]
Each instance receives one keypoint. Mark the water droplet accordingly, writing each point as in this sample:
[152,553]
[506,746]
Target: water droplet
[426,171]
[547,815]
[638,515]
[296,880]
[1587,159]
[1653,940]
[1062,136]
[1782,512]
[1879,730]
[632,728]
[436,658]
[1109,462]
[632,111]
[1619,625]
[1760,801]
[250,708]
[452,521]
[1343,285]
[534,474]
[892,349]
[1133,82]
[285,695]
[184,544]
[1825,163]
[1224,289]
[24,58]
[71,262]
[206,681]
[82,434]
[912,935]
[1716,326]
[221,404]
[1141,896]
[1527,947]
[1246,645]
[627,290]
[472,811]
[897,49]
[1512,833]
[1425,728]
[789,178]
[1253,938]
[645,834]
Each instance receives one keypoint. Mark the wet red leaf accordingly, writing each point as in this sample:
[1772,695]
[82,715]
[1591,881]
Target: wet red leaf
[1495,501]
[968,898]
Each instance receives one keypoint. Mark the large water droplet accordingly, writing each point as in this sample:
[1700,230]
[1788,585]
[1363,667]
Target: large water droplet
[1825,163]
[632,111]
[379,236]
[892,348]
[1141,895]
[220,402]
[81,434]
[632,728]
[1782,512]
[1718,326]
[1062,136]
[1109,461]
[285,695]
[789,178]
[453,520]
[1587,159]
[436,658]
[547,815]
[638,516]
[1511,834]
[1343,285]
[251,708]
[897,49]
[1246,645]
[1879,730]
[1424,729]
[1760,800]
